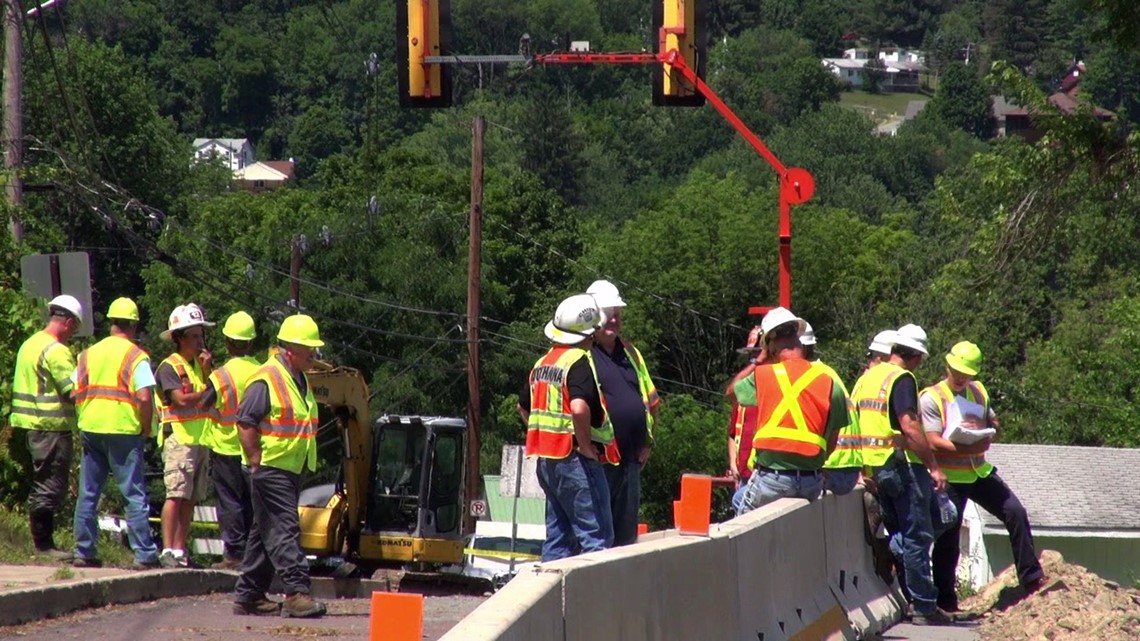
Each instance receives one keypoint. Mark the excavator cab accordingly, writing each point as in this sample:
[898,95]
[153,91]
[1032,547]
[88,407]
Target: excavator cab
[398,499]
[415,501]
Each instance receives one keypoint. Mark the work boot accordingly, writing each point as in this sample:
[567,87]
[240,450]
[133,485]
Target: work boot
[145,565]
[937,617]
[227,563]
[259,608]
[302,606]
[80,562]
[55,555]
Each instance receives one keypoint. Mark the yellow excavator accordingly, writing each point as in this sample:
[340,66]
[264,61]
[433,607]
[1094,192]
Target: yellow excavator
[398,499]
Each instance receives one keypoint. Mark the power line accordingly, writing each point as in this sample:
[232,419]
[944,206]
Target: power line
[598,272]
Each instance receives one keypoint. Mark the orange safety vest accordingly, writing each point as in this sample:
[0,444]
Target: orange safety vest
[794,398]
[550,424]
[744,426]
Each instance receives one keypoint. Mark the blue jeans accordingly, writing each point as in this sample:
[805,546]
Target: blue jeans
[578,516]
[625,498]
[121,455]
[905,492]
[738,496]
[766,486]
[840,480]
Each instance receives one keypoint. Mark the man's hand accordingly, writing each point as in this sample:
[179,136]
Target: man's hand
[939,478]
[588,451]
[644,455]
[206,360]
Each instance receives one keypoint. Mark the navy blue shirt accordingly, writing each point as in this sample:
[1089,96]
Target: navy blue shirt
[903,400]
[618,380]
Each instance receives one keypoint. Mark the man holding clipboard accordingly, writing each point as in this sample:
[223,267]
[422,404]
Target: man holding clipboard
[959,425]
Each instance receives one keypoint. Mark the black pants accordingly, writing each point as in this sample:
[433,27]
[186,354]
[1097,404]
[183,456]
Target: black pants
[274,541]
[51,468]
[625,499]
[995,497]
[235,511]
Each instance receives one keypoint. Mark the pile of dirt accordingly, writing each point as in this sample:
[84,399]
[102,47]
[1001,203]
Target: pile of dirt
[1072,604]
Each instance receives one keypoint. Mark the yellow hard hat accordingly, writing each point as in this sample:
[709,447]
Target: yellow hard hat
[124,309]
[301,330]
[240,327]
[965,357]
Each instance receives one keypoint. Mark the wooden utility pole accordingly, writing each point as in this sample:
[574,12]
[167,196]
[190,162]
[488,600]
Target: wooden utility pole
[14,114]
[295,272]
[474,260]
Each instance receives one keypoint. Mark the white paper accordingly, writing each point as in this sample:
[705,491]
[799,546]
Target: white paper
[955,432]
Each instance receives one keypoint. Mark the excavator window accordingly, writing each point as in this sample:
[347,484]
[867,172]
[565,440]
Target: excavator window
[446,478]
[395,494]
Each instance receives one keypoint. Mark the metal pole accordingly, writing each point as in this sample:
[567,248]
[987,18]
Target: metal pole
[295,272]
[474,260]
[519,454]
[14,114]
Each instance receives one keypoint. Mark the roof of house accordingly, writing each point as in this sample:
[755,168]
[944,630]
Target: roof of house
[285,167]
[234,144]
[1071,488]
[1064,102]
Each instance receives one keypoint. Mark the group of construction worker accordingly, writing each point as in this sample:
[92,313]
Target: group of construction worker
[590,407]
[796,432]
[249,425]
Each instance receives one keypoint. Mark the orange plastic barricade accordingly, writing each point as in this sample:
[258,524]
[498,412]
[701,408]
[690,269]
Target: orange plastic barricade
[396,617]
[695,506]
[642,528]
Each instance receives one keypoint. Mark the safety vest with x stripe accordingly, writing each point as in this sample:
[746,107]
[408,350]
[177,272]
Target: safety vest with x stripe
[794,398]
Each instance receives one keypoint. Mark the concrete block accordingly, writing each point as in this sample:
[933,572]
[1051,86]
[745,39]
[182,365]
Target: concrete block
[528,608]
[782,575]
[675,588]
[871,605]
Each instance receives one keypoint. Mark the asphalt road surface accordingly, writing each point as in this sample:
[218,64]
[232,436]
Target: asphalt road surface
[209,618]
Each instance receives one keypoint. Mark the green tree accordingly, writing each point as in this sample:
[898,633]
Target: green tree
[962,101]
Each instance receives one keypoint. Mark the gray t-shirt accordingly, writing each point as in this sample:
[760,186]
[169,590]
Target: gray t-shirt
[932,414]
[168,381]
[255,400]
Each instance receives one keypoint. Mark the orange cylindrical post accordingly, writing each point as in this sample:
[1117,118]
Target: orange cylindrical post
[396,617]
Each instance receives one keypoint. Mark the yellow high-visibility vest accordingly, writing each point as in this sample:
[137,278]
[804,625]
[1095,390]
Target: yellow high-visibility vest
[186,423]
[871,396]
[289,431]
[38,401]
[961,468]
[105,400]
[229,383]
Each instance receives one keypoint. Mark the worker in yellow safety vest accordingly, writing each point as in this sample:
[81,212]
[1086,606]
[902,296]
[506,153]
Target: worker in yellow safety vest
[224,390]
[182,423]
[898,458]
[569,432]
[112,393]
[843,467]
[42,407]
[631,402]
[953,411]
[801,410]
[277,427]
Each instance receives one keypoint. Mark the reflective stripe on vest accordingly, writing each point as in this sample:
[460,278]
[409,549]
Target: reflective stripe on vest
[104,393]
[186,423]
[848,450]
[961,468]
[288,432]
[229,384]
[871,396]
[645,385]
[796,423]
[37,403]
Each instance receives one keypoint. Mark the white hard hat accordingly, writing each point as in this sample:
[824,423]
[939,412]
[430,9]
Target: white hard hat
[912,336]
[882,342]
[606,293]
[69,304]
[183,317]
[575,320]
[780,316]
[808,337]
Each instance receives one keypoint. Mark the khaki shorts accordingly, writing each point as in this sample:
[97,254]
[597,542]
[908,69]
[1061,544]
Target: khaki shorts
[186,470]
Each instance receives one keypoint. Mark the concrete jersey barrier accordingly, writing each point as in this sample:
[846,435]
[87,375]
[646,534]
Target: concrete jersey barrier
[791,570]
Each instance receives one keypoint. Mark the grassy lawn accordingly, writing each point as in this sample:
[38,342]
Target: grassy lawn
[879,107]
[16,543]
